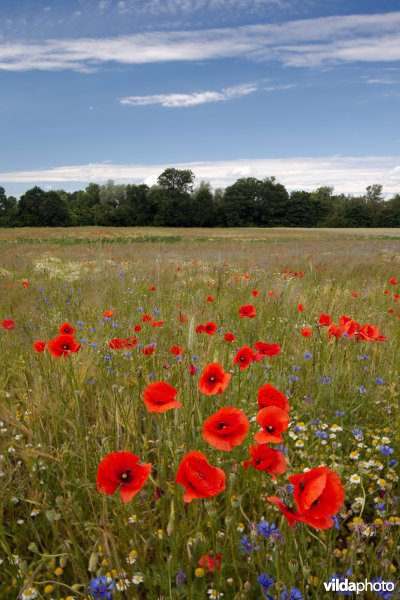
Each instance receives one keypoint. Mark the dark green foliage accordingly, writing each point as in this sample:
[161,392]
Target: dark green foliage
[174,202]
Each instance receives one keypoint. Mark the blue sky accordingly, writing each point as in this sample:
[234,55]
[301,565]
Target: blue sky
[304,90]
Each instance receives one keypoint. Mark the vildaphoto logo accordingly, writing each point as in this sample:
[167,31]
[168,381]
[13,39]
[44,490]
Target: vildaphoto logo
[344,585]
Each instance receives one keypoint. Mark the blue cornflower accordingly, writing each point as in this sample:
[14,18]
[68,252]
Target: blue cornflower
[358,433]
[84,340]
[139,309]
[151,375]
[382,593]
[290,488]
[342,578]
[100,588]
[324,379]
[294,594]
[106,319]
[386,450]
[380,506]
[266,530]
[362,389]
[266,582]
[295,368]
[107,357]
[307,355]
[114,325]
[195,357]
[340,413]
[392,462]
[336,522]
[246,545]
[379,381]
[314,422]
[155,311]
[93,345]
[321,434]
[293,378]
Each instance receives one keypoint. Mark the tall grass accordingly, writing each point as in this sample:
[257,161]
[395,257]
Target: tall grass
[60,417]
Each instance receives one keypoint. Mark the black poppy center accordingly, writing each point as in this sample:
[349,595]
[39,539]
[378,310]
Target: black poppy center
[126,476]
[65,347]
[270,428]
[221,425]
[212,378]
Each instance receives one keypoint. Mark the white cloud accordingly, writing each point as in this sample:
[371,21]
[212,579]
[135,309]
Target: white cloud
[301,43]
[184,100]
[383,81]
[346,173]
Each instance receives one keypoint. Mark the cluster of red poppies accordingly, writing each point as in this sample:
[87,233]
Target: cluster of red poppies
[349,328]
[62,345]
[319,494]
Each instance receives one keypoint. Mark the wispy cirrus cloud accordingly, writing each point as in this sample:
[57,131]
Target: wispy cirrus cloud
[177,100]
[301,43]
[348,174]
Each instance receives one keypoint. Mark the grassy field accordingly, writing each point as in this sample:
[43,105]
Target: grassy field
[60,417]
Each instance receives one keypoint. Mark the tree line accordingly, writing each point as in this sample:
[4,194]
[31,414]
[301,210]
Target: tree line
[176,202]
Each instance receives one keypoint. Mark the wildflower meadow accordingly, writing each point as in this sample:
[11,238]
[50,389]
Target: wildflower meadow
[189,415]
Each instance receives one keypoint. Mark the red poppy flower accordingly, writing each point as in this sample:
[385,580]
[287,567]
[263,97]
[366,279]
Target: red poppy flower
[370,333]
[226,428]
[192,370]
[209,563]
[209,299]
[319,495]
[200,479]
[121,469]
[393,281]
[153,288]
[348,326]
[229,337]
[182,318]
[160,396]
[247,311]
[334,331]
[354,294]
[244,357]
[26,283]
[300,307]
[268,395]
[108,313]
[387,292]
[271,293]
[157,323]
[245,276]
[255,293]
[264,458]
[116,344]
[214,380]
[288,512]
[210,328]
[63,345]
[130,342]
[147,318]
[324,320]
[264,350]
[306,332]
[137,328]
[66,328]
[147,350]
[274,421]
[176,350]
[8,324]
[39,346]
[200,328]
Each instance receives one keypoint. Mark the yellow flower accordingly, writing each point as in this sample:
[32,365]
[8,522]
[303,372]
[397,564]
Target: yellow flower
[48,588]
[199,572]
[58,571]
